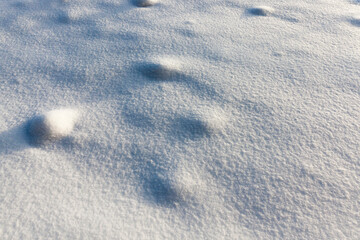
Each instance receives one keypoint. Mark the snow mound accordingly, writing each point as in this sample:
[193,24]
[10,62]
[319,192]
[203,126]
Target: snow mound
[161,69]
[188,183]
[145,3]
[52,125]
[200,124]
[262,11]
[64,17]
[180,188]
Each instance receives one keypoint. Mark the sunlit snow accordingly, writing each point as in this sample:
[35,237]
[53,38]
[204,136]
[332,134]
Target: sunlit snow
[194,119]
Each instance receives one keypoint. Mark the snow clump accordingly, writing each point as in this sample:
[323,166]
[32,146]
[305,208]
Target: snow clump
[262,11]
[161,69]
[145,3]
[53,125]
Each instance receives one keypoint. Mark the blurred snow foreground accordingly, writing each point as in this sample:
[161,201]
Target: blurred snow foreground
[193,119]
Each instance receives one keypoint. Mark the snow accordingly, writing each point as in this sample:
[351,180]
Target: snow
[183,119]
[53,125]
[262,11]
[165,68]
[355,21]
[145,3]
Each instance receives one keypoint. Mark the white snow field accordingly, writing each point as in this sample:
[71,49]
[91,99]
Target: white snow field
[192,119]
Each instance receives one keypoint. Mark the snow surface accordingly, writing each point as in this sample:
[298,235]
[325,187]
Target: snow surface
[197,119]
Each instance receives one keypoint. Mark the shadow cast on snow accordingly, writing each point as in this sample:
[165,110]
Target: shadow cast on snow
[155,73]
[13,140]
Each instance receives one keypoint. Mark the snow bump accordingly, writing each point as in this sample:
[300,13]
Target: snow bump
[198,125]
[262,11]
[161,69]
[53,125]
[355,21]
[176,189]
[145,3]
[64,18]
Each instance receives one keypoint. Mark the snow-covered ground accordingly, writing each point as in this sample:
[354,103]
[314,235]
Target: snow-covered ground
[193,119]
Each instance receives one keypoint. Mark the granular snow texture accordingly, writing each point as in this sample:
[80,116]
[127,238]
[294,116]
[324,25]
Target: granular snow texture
[179,120]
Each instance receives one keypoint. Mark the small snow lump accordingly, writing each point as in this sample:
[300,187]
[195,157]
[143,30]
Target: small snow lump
[161,69]
[178,188]
[261,11]
[145,3]
[52,125]
[200,124]
[64,18]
